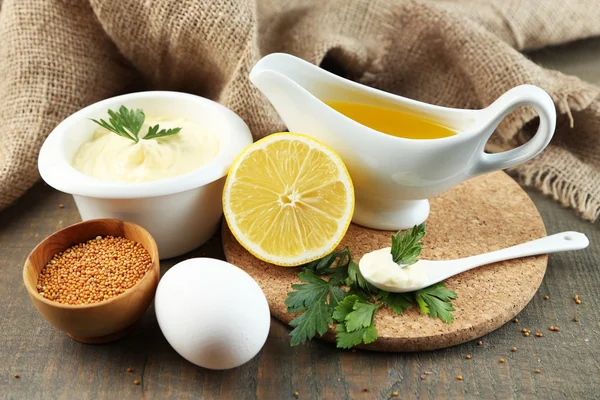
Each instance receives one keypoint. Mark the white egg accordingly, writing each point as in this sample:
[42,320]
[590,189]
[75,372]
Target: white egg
[212,313]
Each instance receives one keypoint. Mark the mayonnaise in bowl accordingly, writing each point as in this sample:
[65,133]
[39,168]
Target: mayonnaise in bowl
[111,157]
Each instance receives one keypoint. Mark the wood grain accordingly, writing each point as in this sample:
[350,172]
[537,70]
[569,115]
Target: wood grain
[486,213]
[104,321]
[51,365]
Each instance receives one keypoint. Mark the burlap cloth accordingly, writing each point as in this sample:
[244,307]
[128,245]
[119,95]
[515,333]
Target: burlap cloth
[61,55]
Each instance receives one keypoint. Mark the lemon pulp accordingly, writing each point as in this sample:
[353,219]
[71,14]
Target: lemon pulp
[288,199]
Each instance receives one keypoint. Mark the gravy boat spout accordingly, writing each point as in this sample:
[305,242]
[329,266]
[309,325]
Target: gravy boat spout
[394,176]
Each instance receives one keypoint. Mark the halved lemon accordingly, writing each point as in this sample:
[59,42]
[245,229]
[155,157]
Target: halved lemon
[288,199]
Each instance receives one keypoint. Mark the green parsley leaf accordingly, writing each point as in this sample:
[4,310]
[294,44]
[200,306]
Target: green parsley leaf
[344,308]
[153,132]
[436,300]
[346,340]
[128,123]
[306,294]
[407,247]
[336,295]
[361,317]
[397,302]
[315,319]
[325,263]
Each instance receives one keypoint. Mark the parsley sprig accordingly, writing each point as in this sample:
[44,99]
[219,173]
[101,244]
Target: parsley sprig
[128,123]
[407,247]
[334,292]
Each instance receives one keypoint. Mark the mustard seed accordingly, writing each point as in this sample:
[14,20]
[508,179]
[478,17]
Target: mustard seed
[537,371]
[96,270]
[61,206]
[501,360]
[479,343]
[459,377]
[515,320]
[513,349]
[395,394]
[296,394]
[17,376]
[136,382]
[526,334]
[546,297]
[575,319]
[129,370]
[578,301]
[468,356]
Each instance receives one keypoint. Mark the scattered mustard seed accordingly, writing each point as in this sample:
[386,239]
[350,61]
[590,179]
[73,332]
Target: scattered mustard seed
[296,394]
[395,394]
[513,349]
[459,377]
[537,371]
[578,301]
[136,382]
[539,334]
[479,343]
[96,270]
[17,376]
[526,334]
[576,298]
[129,370]
[501,360]
[575,319]
[468,356]
[546,297]
[61,206]
[515,320]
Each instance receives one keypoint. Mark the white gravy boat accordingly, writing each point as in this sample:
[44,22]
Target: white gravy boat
[393,176]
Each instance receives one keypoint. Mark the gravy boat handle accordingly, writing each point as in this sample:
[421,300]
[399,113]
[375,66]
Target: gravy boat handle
[524,95]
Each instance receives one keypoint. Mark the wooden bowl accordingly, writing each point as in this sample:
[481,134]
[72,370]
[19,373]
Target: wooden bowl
[107,320]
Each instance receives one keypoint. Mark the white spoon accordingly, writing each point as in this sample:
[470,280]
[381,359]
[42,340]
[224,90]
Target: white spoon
[437,271]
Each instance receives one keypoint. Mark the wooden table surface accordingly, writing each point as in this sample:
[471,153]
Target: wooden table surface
[51,365]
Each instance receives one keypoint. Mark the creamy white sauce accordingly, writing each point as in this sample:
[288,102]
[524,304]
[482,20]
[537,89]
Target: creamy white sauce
[110,157]
[379,266]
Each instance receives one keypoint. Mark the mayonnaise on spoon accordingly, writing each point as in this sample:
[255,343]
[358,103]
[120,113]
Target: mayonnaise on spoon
[380,270]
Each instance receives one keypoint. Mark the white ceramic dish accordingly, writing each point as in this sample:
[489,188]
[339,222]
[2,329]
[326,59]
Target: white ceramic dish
[181,213]
[394,176]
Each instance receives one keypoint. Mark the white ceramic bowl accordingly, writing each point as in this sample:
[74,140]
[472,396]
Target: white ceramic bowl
[181,213]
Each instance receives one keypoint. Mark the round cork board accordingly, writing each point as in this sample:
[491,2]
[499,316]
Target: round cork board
[486,213]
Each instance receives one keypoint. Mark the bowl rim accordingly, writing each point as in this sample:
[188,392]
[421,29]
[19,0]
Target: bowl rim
[58,172]
[33,293]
